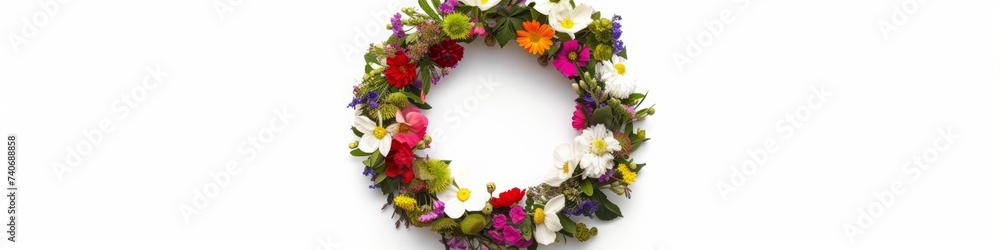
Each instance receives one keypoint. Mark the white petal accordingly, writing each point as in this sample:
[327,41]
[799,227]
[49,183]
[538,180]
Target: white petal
[555,177]
[477,200]
[449,193]
[368,143]
[392,129]
[612,144]
[544,236]
[552,222]
[454,208]
[459,175]
[386,144]
[555,204]
[471,2]
[363,124]
[581,15]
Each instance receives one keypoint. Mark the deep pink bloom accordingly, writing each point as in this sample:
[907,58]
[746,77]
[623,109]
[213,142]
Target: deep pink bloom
[516,214]
[412,126]
[499,221]
[579,119]
[511,235]
[570,56]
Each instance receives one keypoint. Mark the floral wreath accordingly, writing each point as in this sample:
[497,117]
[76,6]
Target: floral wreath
[426,192]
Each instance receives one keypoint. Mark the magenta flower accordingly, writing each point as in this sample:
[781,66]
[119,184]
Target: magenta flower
[499,221]
[570,56]
[511,235]
[579,119]
[516,214]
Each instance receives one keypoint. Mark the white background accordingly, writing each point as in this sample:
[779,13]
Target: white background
[227,72]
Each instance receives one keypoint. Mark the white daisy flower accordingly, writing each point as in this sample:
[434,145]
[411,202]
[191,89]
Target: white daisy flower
[461,197]
[546,220]
[619,81]
[375,136]
[570,20]
[598,144]
[567,157]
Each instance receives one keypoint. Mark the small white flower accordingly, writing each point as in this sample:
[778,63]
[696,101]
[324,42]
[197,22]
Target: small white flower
[567,157]
[598,143]
[569,20]
[547,222]
[619,81]
[375,136]
[462,197]
[546,6]
[482,4]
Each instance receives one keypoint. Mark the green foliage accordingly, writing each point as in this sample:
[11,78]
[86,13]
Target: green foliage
[606,210]
[431,12]
[587,187]
[508,22]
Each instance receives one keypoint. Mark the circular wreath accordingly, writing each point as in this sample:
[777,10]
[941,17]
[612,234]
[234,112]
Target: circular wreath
[426,192]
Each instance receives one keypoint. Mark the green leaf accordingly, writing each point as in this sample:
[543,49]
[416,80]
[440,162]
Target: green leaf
[587,187]
[374,160]
[356,132]
[606,209]
[427,9]
[526,229]
[639,167]
[623,53]
[569,227]
[370,58]
[425,79]
[379,178]
[358,152]
[604,116]
[636,144]
[529,203]
[436,3]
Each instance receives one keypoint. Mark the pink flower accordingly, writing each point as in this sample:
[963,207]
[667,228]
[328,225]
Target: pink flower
[410,126]
[516,214]
[570,56]
[511,235]
[579,120]
[499,221]
[478,31]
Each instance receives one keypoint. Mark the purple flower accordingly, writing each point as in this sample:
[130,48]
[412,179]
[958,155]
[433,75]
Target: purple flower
[499,221]
[371,99]
[438,207]
[616,34]
[448,6]
[397,25]
[427,217]
[607,175]
[516,214]
[585,208]
[456,243]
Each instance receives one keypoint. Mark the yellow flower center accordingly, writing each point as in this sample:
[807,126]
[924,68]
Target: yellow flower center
[566,23]
[571,56]
[539,215]
[598,146]
[620,68]
[566,167]
[483,1]
[463,194]
[379,132]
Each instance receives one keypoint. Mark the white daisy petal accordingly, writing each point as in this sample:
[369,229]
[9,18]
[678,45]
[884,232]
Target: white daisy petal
[552,222]
[363,124]
[544,236]
[386,145]
[454,208]
[555,204]
[368,143]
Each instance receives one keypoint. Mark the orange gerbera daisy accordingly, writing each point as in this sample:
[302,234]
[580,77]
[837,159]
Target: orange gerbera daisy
[536,38]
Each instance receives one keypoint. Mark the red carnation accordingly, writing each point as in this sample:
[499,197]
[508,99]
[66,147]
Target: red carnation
[508,198]
[400,72]
[399,162]
[447,53]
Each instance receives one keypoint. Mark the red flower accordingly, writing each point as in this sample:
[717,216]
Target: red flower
[399,162]
[508,198]
[447,53]
[400,71]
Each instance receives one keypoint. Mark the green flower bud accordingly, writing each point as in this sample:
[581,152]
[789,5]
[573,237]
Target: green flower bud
[490,41]
[488,209]
[641,134]
[652,111]
[456,25]
[602,52]
[618,188]
[543,60]
[421,145]
[473,224]
[490,187]
[353,145]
